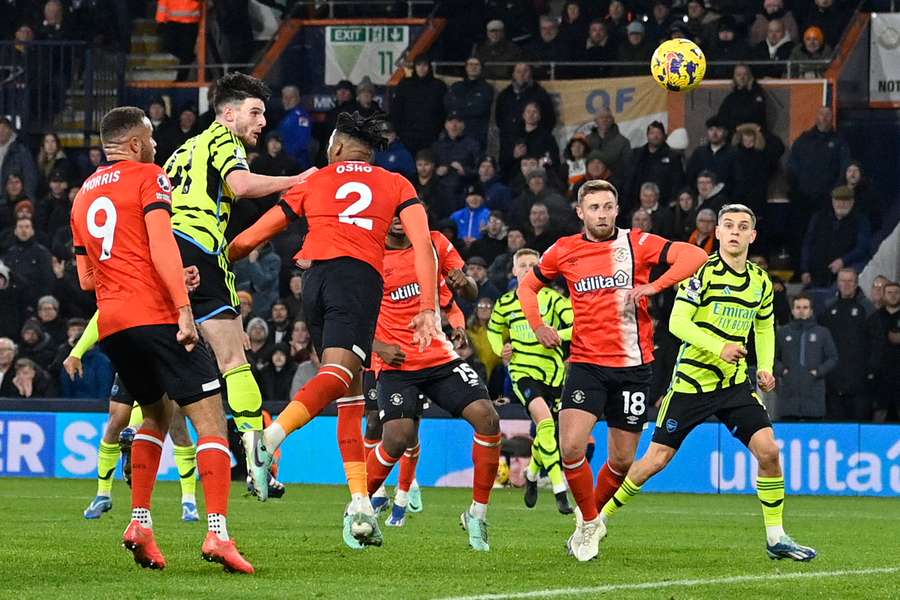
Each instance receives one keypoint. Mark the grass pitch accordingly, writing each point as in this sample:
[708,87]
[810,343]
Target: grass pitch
[659,546]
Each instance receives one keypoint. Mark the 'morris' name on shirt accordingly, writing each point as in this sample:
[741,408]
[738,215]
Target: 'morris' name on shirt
[97,180]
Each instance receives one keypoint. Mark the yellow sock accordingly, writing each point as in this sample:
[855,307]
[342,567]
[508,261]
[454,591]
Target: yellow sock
[107,460]
[186,461]
[137,416]
[244,398]
[626,492]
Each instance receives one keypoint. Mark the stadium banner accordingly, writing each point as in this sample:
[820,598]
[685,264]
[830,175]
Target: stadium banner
[819,459]
[884,58]
[355,51]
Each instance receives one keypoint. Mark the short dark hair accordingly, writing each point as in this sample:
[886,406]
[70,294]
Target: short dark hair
[120,121]
[708,174]
[891,284]
[368,131]
[76,322]
[426,155]
[237,87]
[802,296]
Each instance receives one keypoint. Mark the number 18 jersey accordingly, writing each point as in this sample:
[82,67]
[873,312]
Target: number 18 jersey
[349,207]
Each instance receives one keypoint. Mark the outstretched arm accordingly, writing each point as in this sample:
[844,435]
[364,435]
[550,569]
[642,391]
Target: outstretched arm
[527,292]
[273,222]
[245,184]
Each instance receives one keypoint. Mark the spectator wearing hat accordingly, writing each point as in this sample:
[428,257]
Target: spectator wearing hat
[48,314]
[245,299]
[830,18]
[492,242]
[30,262]
[473,217]
[36,344]
[656,162]
[634,48]
[511,104]
[439,204]
[367,105]
[32,381]
[716,155]
[417,106]
[746,103]
[813,47]
[607,141]
[496,193]
[472,98]
[16,158]
[177,132]
[533,138]
[260,351]
[598,47]
[837,237]
[395,157]
[496,48]
[456,156]
[775,46]
[659,21]
[476,268]
[54,210]
[295,127]
[728,45]
[773,10]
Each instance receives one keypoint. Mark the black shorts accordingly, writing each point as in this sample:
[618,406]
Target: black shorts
[216,294]
[119,393]
[341,301]
[738,407]
[150,362]
[527,389]
[617,393]
[452,386]
[370,390]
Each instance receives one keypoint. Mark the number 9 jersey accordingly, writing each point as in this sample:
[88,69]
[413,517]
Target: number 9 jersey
[349,206]
[108,227]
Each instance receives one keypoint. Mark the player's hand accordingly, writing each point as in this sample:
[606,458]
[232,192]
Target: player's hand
[459,338]
[638,292]
[303,263]
[548,336]
[73,367]
[457,279]
[246,341]
[392,354]
[507,353]
[733,353]
[187,334]
[765,380]
[425,329]
[191,278]
[303,176]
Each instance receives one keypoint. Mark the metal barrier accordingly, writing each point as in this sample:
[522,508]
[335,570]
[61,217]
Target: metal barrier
[314,6]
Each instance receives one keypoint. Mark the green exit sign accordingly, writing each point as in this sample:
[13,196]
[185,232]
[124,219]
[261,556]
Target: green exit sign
[362,35]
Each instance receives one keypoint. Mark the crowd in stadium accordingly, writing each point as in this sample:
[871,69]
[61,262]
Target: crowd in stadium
[492,199]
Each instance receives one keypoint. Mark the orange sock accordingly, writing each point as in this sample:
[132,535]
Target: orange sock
[379,466]
[608,481]
[331,382]
[145,453]
[408,463]
[214,464]
[581,482]
[369,444]
[486,457]
[350,441]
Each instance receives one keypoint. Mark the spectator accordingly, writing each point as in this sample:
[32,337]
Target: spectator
[635,48]
[512,100]
[573,27]
[476,268]
[246,306]
[300,343]
[73,301]
[773,10]
[179,23]
[704,235]
[366,105]
[684,215]
[156,112]
[32,381]
[837,237]
[876,293]
[306,370]
[829,19]
[500,270]
[492,242]
[746,103]
[776,46]
[16,158]
[260,352]
[16,204]
[531,139]
[550,46]
[656,162]
[660,20]
[755,163]
[617,19]
[476,331]
[576,162]
[542,235]
[813,48]
[473,217]
[496,48]
[7,370]
[701,23]
[344,101]
[561,213]
[716,155]
[710,192]
[48,314]
[417,106]
[472,98]
[295,127]
[497,195]
[845,318]
[804,355]
[640,220]
[36,344]
[95,156]
[12,304]
[598,47]
[72,332]
[176,133]
[395,157]
[294,299]
[55,27]
[30,262]
[782,308]
[51,159]
[276,377]
[608,143]
[884,332]
[258,273]
[867,199]
[54,210]
[456,156]
[727,46]
[439,202]
[280,324]
[273,160]
[660,215]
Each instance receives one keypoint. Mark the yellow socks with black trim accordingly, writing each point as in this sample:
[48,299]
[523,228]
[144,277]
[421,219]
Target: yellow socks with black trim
[545,440]
[244,398]
[770,491]
[626,492]
[107,460]
[186,461]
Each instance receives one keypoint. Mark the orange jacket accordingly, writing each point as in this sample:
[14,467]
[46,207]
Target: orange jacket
[178,11]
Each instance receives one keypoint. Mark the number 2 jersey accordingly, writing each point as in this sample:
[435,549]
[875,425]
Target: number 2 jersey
[400,304]
[108,227]
[349,207]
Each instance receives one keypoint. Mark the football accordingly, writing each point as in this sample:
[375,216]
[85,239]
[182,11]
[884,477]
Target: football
[678,65]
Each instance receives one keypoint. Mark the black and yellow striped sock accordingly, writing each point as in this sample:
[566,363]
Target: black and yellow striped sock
[107,460]
[549,451]
[770,491]
[244,398]
[626,492]
[186,461]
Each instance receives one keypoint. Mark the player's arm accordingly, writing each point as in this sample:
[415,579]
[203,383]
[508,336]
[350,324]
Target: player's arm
[457,321]
[274,221]
[543,274]
[245,184]
[764,335]
[565,317]
[451,265]
[392,354]
[90,336]
[85,269]
[463,285]
[415,223]
[167,261]
[682,326]
[683,259]
[497,330]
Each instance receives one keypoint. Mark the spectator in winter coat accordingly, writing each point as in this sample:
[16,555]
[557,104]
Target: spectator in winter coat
[599,47]
[51,159]
[532,139]
[656,162]
[476,268]
[417,106]
[867,198]
[500,271]
[537,190]
[280,324]
[54,210]
[366,104]
[395,157]
[512,100]
[496,48]
[473,217]
[492,242]
[829,18]
[32,381]
[776,46]
[635,48]
[12,304]
[549,46]
[456,156]
[36,344]
[295,127]
[728,46]
[813,48]
[472,98]
[176,133]
[7,367]
[542,234]
[773,10]
[497,195]
[660,215]
[710,192]
[30,262]
[684,215]
[277,376]
[756,161]
[258,274]
[716,155]
[48,314]
[657,26]
[746,103]
[837,237]
[610,146]
[884,335]
[575,166]
[438,202]
[804,355]
[16,158]
[704,234]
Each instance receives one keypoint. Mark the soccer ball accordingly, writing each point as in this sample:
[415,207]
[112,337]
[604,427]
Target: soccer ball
[678,65]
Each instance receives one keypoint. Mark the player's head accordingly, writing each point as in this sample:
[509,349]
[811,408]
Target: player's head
[240,105]
[598,207]
[356,137]
[524,261]
[126,133]
[802,307]
[736,229]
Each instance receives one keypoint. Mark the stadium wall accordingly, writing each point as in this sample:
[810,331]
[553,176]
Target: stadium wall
[819,459]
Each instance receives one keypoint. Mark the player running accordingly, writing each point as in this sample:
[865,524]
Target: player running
[714,312]
[209,173]
[125,250]
[537,372]
[349,206]
[437,373]
[607,270]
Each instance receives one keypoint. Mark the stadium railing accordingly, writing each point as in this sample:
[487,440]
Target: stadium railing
[296,8]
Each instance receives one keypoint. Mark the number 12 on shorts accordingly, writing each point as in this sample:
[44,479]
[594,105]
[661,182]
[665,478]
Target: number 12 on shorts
[634,403]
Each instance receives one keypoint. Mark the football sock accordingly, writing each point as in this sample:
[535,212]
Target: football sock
[770,491]
[244,398]
[145,453]
[107,461]
[581,482]
[545,440]
[186,461]
[378,467]
[350,442]
[137,416]
[608,481]
[534,465]
[214,464]
[486,458]
[331,382]
[408,463]
[478,510]
[142,516]
[626,492]
[369,444]
[401,498]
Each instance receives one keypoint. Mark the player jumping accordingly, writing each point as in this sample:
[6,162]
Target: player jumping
[537,373]
[714,312]
[349,206]
[125,250]
[608,274]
